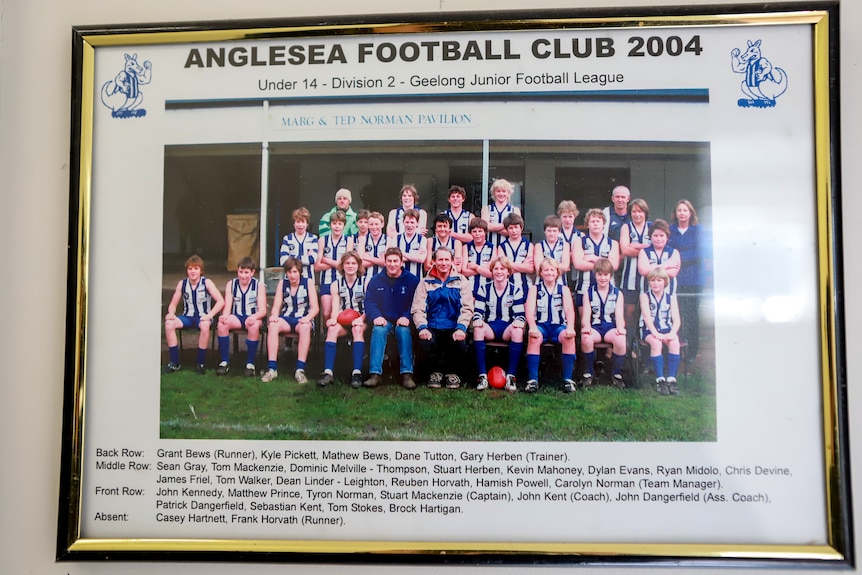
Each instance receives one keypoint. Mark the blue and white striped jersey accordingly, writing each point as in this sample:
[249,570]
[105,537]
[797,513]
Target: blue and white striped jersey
[507,306]
[461,224]
[376,249]
[603,310]
[295,304]
[352,296]
[656,258]
[411,245]
[549,304]
[659,310]
[334,251]
[304,249]
[196,299]
[244,302]
[517,254]
[631,278]
[497,215]
[601,248]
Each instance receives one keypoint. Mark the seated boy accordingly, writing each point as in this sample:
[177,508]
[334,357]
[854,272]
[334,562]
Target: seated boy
[602,319]
[660,323]
[294,308]
[499,316]
[551,317]
[245,309]
[201,302]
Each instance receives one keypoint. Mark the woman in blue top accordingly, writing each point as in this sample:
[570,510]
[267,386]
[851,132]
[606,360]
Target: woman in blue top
[685,237]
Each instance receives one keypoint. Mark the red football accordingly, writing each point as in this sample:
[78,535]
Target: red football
[497,377]
[347,316]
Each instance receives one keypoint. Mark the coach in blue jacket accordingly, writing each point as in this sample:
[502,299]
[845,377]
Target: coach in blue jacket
[442,310]
[388,298]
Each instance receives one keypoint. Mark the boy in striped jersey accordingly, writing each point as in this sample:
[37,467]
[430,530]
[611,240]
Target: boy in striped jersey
[246,311]
[201,302]
[373,247]
[477,255]
[443,238]
[498,209]
[660,323]
[567,211]
[519,251]
[594,245]
[553,247]
[499,316]
[602,319]
[300,244]
[330,248]
[294,308]
[551,317]
[411,244]
[348,292]
[459,216]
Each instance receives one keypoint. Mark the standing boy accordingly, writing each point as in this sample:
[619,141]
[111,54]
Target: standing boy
[330,248]
[443,238]
[594,245]
[373,247]
[459,216]
[411,244]
[300,244]
[477,255]
[553,247]
[498,209]
[519,251]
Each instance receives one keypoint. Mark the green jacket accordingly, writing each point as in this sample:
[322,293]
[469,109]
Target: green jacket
[350,228]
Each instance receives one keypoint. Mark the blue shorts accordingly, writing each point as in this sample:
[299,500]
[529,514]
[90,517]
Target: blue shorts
[294,321]
[551,331]
[324,289]
[645,332]
[603,328]
[190,320]
[499,326]
[241,319]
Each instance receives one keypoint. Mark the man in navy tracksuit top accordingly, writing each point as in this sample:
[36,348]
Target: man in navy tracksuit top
[388,298]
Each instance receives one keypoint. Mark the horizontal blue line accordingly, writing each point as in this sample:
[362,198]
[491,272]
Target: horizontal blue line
[694,95]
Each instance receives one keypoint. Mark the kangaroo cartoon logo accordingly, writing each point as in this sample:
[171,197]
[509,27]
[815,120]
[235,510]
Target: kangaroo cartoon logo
[763,82]
[123,94]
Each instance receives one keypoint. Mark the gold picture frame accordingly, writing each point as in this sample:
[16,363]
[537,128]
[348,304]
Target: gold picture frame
[644,90]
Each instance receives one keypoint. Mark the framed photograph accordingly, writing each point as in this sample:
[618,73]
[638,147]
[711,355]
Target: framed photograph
[550,287]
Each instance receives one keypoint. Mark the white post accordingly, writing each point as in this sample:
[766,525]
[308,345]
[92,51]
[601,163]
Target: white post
[486,167]
[264,188]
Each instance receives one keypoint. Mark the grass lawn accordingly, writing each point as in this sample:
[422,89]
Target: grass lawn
[237,407]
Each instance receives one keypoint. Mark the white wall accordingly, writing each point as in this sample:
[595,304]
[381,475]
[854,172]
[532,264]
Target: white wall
[34,178]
